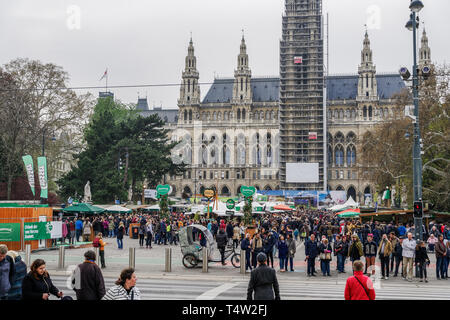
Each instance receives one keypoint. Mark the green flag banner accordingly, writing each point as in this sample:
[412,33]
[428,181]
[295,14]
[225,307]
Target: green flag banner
[9,232]
[37,230]
[42,170]
[28,161]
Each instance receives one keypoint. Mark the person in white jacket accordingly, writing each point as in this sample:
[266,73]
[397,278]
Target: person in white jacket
[408,253]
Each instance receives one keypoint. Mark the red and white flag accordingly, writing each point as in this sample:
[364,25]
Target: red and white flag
[104,75]
[298,60]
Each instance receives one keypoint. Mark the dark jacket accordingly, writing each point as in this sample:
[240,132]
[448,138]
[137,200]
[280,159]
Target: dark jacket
[229,230]
[33,288]
[440,249]
[370,249]
[282,249]
[120,232]
[268,243]
[421,255]
[245,245]
[398,249]
[91,285]
[8,263]
[221,239]
[15,293]
[311,249]
[263,281]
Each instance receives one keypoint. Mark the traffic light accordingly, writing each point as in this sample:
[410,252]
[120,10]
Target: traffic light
[418,209]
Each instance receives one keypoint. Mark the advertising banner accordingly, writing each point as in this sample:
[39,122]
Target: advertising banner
[56,230]
[150,193]
[9,232]
[42,172]
[28,161]
[37,230]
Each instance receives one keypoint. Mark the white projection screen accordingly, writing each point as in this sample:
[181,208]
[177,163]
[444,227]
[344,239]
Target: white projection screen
[302,172]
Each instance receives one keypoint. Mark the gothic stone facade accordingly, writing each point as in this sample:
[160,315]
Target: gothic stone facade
[231,137]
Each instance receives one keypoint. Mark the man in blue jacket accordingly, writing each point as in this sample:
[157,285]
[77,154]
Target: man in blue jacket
[79,228]
[311,252]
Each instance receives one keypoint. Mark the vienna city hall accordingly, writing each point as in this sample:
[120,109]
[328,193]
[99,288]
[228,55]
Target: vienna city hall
[231,137]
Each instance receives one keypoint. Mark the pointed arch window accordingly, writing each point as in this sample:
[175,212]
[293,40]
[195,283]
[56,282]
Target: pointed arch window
[243,115]
[239,115]
[351,156]
[365,112]
[339,156]
[370,112]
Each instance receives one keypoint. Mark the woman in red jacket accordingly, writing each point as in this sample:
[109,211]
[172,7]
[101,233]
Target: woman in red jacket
[359,286]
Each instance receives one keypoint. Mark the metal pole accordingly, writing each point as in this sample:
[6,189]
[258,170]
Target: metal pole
[205,260]
[243,262]
[43,143]
[168,265]
[417,159]
[61,258]
[97,255]
[28,255]
[132,258]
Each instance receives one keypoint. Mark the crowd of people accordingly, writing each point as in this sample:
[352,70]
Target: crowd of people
[325,237]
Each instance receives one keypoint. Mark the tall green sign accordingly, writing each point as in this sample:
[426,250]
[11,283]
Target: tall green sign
[28,161]
[9,232]
[42,172]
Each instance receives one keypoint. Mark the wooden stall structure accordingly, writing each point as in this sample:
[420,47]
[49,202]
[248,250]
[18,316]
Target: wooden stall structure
[21,214]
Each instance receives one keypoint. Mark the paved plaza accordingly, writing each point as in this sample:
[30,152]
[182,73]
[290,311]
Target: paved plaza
[226,282]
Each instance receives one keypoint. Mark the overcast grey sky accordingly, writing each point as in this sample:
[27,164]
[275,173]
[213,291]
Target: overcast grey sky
[145,41]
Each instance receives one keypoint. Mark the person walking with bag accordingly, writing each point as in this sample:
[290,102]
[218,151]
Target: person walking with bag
[325,257]
[359,286]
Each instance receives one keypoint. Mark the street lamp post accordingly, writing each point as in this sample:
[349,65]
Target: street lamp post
[412,25]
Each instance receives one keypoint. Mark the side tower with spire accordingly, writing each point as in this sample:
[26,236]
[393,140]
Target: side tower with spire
[242,90]
[189,100]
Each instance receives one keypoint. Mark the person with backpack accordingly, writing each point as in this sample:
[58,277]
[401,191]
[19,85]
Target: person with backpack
[99,243]
[359,286]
